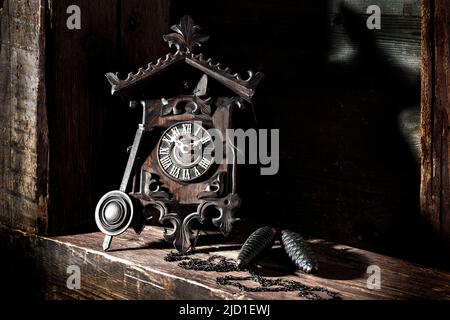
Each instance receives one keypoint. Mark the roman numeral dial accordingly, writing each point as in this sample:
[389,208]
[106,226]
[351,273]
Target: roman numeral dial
[186,151]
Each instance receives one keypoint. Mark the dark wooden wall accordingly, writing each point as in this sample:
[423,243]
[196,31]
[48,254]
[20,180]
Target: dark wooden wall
[435,192]
[347,102]
[89,129]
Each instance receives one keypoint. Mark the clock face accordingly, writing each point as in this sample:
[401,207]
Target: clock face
[186,151]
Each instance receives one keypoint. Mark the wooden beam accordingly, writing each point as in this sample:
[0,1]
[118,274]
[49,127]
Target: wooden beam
[435,183]
[23,122]
[135,269]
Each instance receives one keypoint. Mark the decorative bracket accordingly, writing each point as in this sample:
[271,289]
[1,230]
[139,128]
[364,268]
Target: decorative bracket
[182,236]
[215,188]
[151,187]
[226,206]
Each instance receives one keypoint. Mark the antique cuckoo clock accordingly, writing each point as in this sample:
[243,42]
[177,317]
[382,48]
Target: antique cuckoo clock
[188,103]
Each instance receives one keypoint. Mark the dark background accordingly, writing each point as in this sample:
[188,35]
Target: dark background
[345,98]
[341,95]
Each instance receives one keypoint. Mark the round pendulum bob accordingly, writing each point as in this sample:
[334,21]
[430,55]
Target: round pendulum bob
[114,213]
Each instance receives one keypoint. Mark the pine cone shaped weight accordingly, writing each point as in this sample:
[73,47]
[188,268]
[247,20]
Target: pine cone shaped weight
[255,245]
[299,251]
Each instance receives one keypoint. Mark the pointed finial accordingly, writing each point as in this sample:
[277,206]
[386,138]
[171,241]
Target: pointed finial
[185,37]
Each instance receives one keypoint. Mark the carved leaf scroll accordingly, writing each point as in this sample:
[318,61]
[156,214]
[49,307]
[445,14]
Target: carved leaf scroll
[151,187]
[181,104]
[215,188]
[185,37]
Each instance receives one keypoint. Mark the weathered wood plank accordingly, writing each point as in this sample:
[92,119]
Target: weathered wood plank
[135,269]
[430,195]
[42,141]
[23,135]
[435,183]
[442,107]
[388,7]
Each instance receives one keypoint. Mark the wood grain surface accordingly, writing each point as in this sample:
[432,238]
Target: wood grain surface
[135,269]
[435,179]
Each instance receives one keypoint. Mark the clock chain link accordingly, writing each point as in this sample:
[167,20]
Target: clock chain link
[219,263]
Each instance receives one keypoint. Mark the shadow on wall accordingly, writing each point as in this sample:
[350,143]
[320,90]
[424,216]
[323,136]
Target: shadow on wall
[359,178]
[349,167]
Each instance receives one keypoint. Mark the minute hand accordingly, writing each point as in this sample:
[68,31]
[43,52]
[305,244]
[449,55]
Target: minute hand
[202,141]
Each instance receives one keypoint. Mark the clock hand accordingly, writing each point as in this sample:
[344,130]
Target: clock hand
[201,141]
[183,147]
[195,143]
[178,143]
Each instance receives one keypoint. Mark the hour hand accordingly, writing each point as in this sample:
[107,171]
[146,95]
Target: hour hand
[178,143]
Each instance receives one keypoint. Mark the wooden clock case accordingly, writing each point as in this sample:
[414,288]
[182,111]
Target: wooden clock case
[145,187]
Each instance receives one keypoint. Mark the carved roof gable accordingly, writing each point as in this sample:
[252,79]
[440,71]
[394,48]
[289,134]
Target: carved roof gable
[185,38]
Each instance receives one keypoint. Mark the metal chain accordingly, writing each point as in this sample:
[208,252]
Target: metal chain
[219,263]
[278,285]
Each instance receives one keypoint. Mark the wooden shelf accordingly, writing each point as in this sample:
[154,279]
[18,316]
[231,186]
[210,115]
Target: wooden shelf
[135,269]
